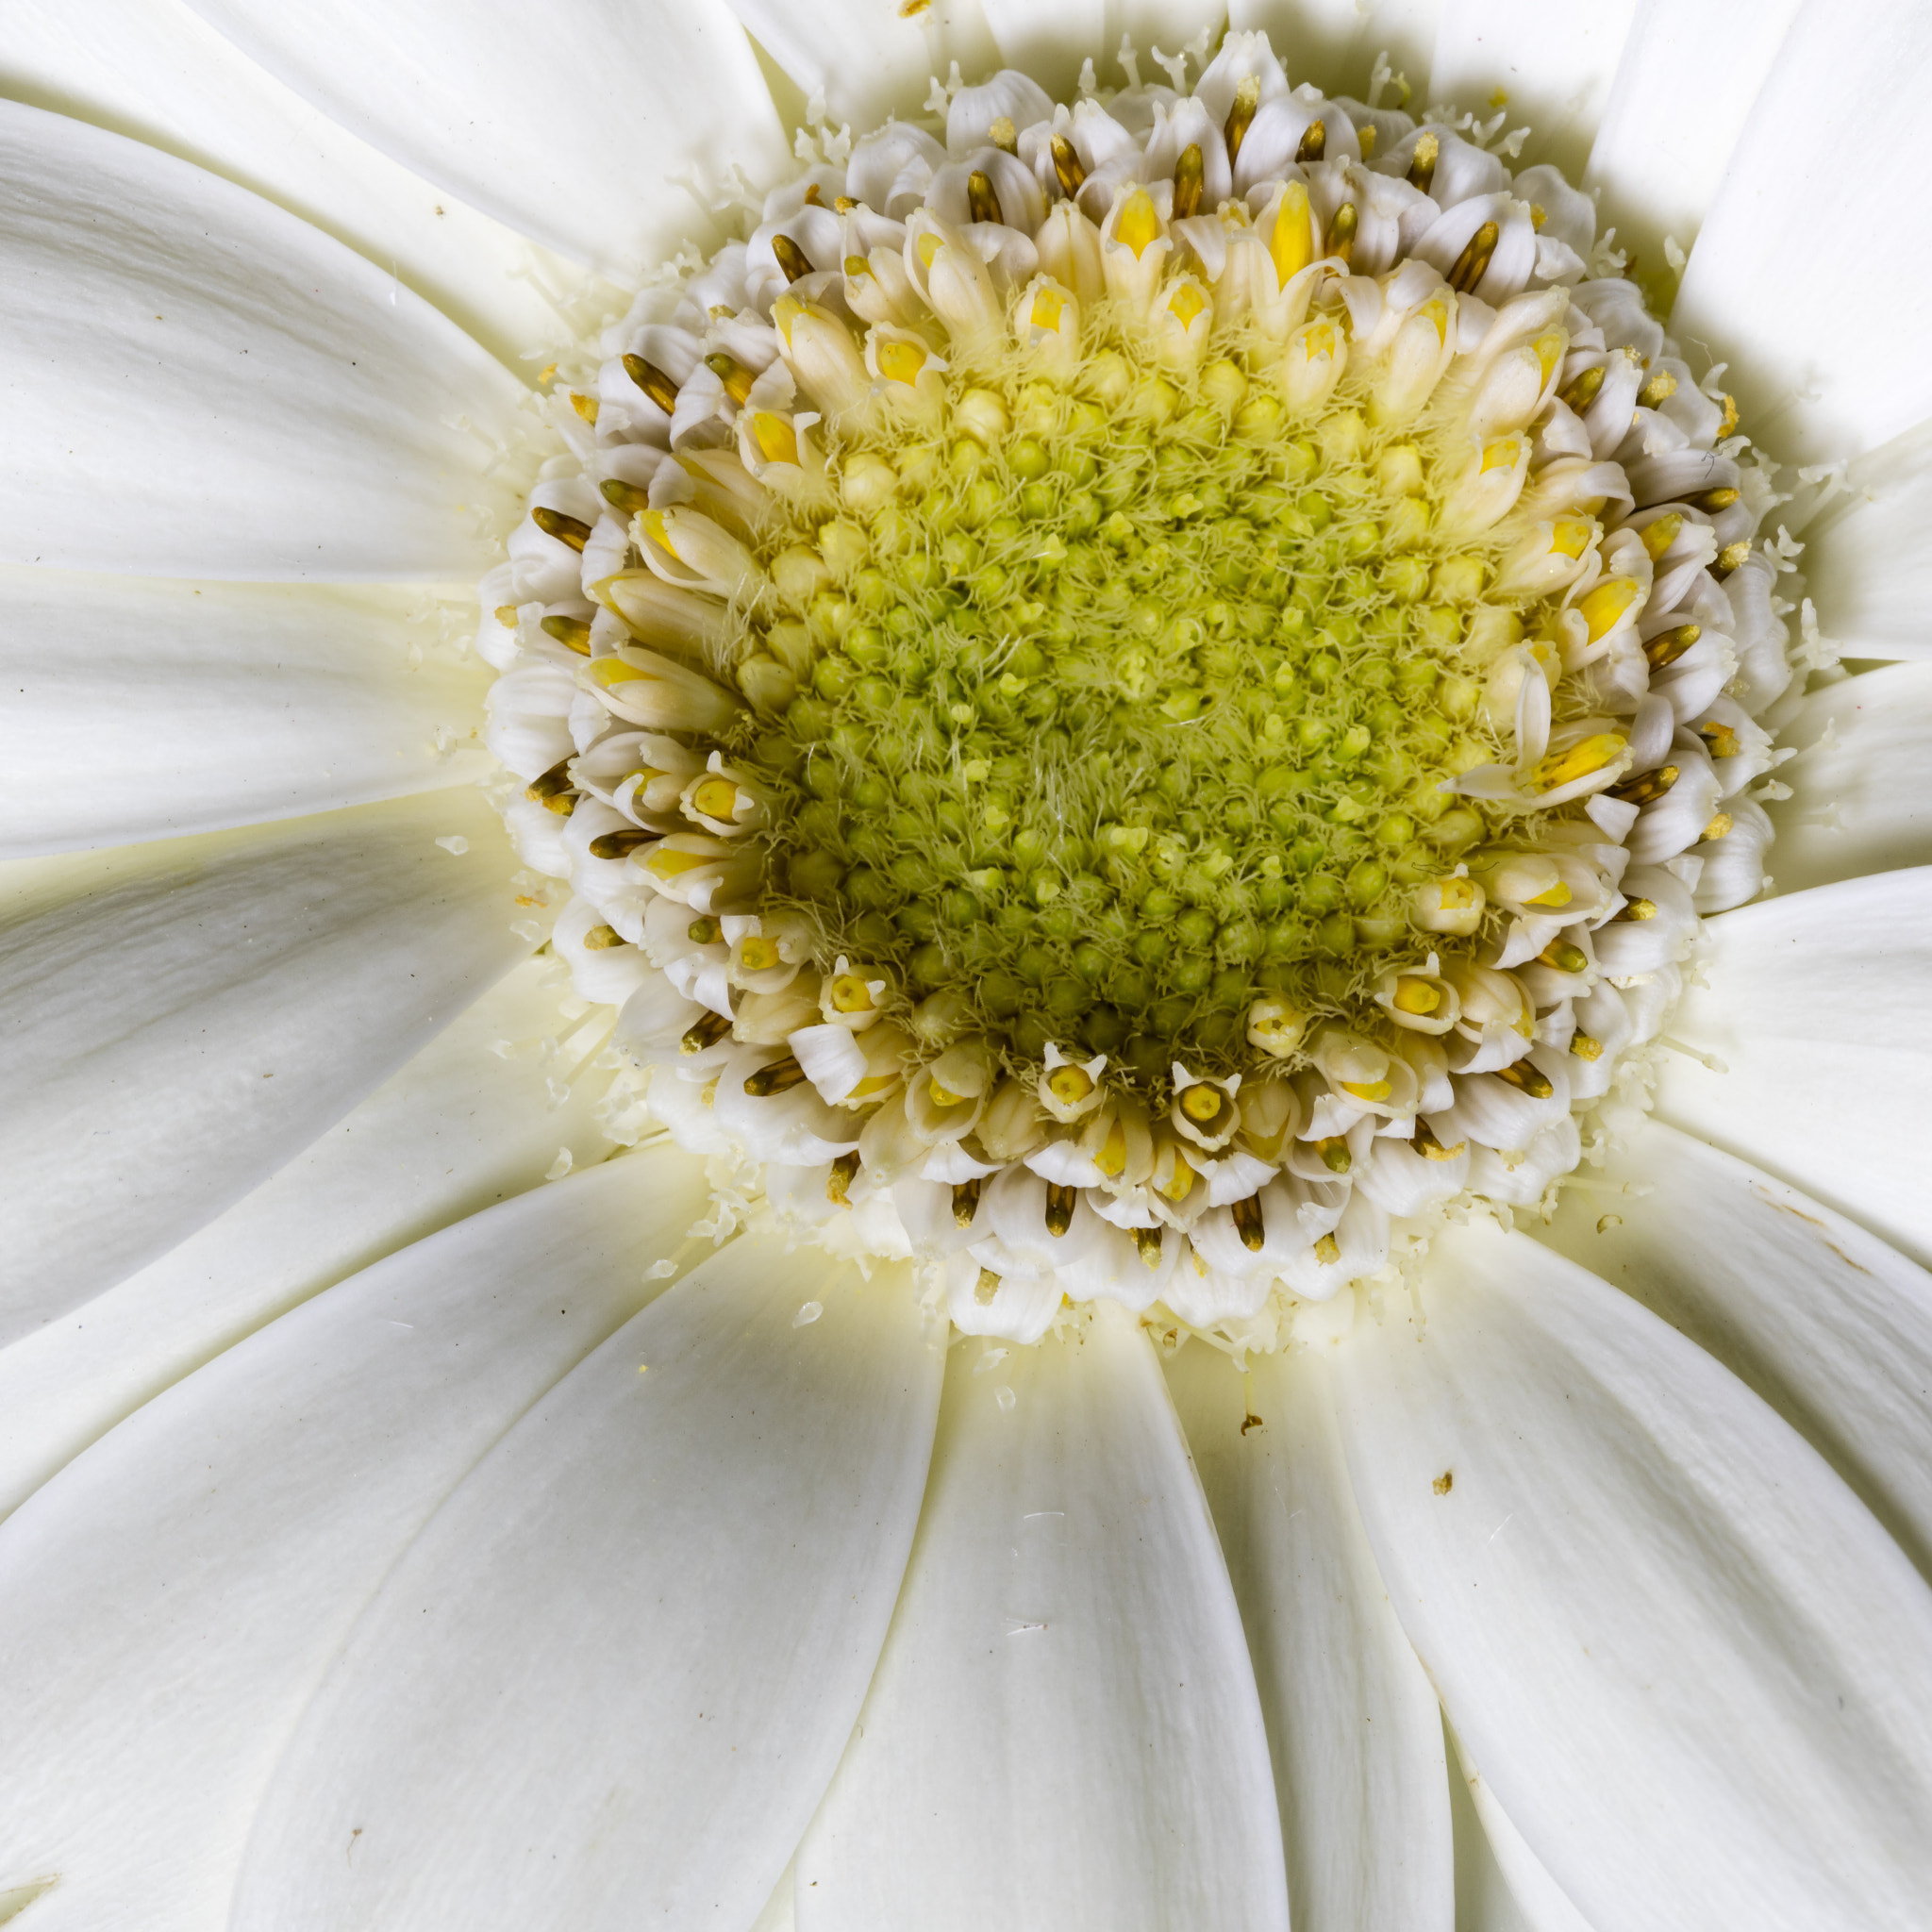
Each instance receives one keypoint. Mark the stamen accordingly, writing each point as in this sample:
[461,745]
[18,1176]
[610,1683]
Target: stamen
[1420,996]
[1669,646]
[1729,558]
[1334,1153]
[1247,97]
[982,204]
[844,1171]
[1634,909]
[1586,1048]
[1728,420]
[1564,957]
[985,1291]
[966,1201]
[573,633]
[901,361]
[792,259]
[1647,786]
[1004,134]
[704,931]
[733,375]
[586,407]
[553,790]
[1365,135]
[1147,1239]
[1722,739]
[1059,1207]
[619,844]
[1070,1085]
[1314,142]
[653,381]
[1473,264]
[1249,1225]
[777,440]
[1661,386]
[1422,163]
[1521,1074]
[1660,535]
[1290,245]
[705,1032]
[1341,242]
[1189,175]
[1717,828]
[779,1077]
[1328,1251]
[1565,767]
[1066,166]
[1430,1147]
[1580,390]
[631,499]
[1139,223]
[553,523]
[1712,501]
[600,938]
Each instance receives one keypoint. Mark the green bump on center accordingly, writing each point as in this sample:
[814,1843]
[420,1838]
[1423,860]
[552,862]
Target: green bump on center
[1126,709]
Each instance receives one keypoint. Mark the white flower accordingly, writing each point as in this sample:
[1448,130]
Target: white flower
[397,1542]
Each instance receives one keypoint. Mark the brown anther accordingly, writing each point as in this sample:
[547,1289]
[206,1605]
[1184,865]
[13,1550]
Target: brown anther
[791,257]
[619,844]
[1248,1224]
[1066,166]
[705,1031]
[1342,231]
[1247,97]
[550,784]
[653,381]
[812,197]
[1635,909]
[600,938]
[1334,1153]
[982,204]
[1562,957]
[782,1076]
[1712,501]
[1525,1079]
[1059,1207]
[1728,558]
[1004,134]
[1661,386]
[1429,1147]
[1669,646]
[1421,160]
[1473,264]
[628,497]
[1717,828]
[966,1201]
[1728,420]
[844,1171]
[1148,1240]
[1585,1048]
[736,378]
[1190,172]
[573,633]
[1314,141]
[1580,390]
[704,931]
[1646,786]
[553,523]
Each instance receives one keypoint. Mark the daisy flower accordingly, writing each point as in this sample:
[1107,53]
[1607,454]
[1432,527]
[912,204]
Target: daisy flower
[963,965]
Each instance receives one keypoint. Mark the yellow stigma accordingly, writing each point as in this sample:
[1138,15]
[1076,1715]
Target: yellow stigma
[776,438]
[1070,1086]
[901,361]
[1420,996]
[1139,224]
[1601,607]
[1292,247]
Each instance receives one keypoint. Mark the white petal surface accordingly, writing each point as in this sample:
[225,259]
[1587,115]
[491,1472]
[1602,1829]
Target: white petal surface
[1050,42]
[1816,1004]
[459,1128]
[574,130]
[675,1576]
[1355,1730]
[1817,375]
[1483,1899]
[169,1600]
[1532,1898]
[1867,563]
[1334,43]
[1696,1672]
[182,1019]
[151,69]
[1864,788]
[140,708]
[1832,1328]
[1063,1729]
[1681,94]
[197,384]
[1556,74]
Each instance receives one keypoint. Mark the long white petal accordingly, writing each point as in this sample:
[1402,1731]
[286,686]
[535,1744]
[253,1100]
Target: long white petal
[1695,1670]
[1820,376]
[1815,1007]
[169,1600]
[470,1121]
[1866,559]
[1535,1899]
[674,1578]
[150,69]
[1064,1728]
[1863,790]
[1554,72]
[197,384]
[1829,1326]
[1681,97]
[1484,1902]
[182,1019]
[1354,1727]
[1333,43]
[139,708]
[573,127]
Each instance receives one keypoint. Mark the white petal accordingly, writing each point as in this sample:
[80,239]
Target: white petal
[1534,1897]
[1831,1327]
[1818,377]
[1049,42]
[1355,1729]
[182,1019]
[197,384]
[573,131]
[1863,800]
[1063,1729]
[1556,74]
[868,58]
[1483,1900]
[1866,560]
[169,1600]
[150,69]
[1696,1672]
[138,709]
[459,1128]
[1334,43]
[723,1499]
[1681,97]
[1816,1007]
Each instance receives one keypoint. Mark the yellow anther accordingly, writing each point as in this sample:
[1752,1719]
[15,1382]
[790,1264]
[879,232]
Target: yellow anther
[1201,1104]
[551,784]
[942,1096]
[791,257]
[1147,1239]
[844,1171]
[1112,1159]
[982,204]
[1341,232]
[778,440]
[1728,560]
[653,381]
[1418,995]
[629,499]
[1334,1153]
[704,931]
[812,197]
[1728,420]
[1059,1208]
[1660,535]
[1369,1090]
[1502,454]
[553,523]
[1712,501]
[1430,1148]
[1585,1048]
[929,245]
[1717,828]
[600,938]
[1366,136]
[733,375]
[1328,1251]
[1603,608]
[785,313]
[1570,535]
[586,407]
[1549,350]
[1525,1079]
[716,797]
[966,1201]
[1181,1180]
[1457,896]
[857,265]
[506,615]
[1186,303]
[1648,786]
[706,1031]
[1560,955]
[1660,386]
[1139,223]
[1247,97]
[1049,305]
[901,361]
[1066,166]
[1070,1086]
[1635,909]
[1422,161]
[1558,895]
[759,954]
[1189,174]
[986,1290]
[1004,134]
[1580,390]
[782,1076]
[1435,312]
[850,995]
[619,844]
[1722,741]
[1565,767]
[1291,246]
[573,633]
[1473,264]
[669,866]
[1314,141]
[1539,214]
[1669,646]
